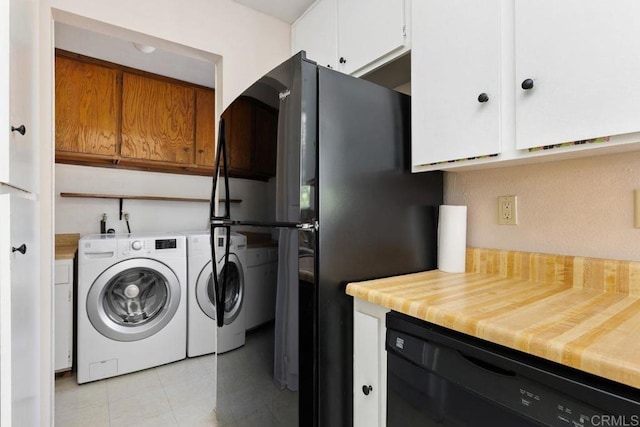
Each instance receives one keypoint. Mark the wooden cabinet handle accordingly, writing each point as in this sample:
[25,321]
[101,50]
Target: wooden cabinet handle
[200,151]
[186,149]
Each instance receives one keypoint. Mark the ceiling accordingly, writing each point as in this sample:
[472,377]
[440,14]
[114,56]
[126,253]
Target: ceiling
[285,10]
[120,51]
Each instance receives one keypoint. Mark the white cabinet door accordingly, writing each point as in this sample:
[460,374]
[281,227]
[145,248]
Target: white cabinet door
[63,314]
[316,32]
[582,58]
[369,365]
[455,64]
[18,93]
[260,286]
[19,312]
[368,30]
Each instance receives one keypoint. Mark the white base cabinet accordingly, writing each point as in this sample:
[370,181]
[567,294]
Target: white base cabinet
[63,314]
[20,321]
[260,286]
[369,365]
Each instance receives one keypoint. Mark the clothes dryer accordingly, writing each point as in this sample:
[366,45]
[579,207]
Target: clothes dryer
[131,303]
[201,324]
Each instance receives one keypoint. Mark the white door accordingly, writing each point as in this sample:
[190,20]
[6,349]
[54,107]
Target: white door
[456,97]
[18,84]
[19,312]
[316,32]
[581,56]
[368,30]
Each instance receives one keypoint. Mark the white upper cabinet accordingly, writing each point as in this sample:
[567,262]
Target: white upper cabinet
[18,94]
[559,79]
[353,36]
[455,64]
[368,30]
[582,58]
[316,32]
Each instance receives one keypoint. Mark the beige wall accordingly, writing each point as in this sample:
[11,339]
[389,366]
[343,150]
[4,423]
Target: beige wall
[245,43]
[578,207]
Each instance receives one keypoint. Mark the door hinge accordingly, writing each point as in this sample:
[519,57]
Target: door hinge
[69,296]
[404,31]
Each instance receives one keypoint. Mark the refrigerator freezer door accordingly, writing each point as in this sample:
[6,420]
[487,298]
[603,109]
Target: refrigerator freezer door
[376,219]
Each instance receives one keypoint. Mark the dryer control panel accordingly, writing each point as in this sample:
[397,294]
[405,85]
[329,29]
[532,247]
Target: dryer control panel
[140,246]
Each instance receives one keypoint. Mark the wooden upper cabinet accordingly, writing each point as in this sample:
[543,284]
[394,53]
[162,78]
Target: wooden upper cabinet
[205,127]
[157,120]
[251,129]
[266,135]
[87,106]
[239,135]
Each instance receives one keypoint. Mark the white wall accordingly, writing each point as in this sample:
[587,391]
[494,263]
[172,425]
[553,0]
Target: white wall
[83,215]
[250,43]
[573,207]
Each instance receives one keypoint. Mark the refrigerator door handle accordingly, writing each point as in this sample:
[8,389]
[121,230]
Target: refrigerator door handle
[309,226]
[224,222]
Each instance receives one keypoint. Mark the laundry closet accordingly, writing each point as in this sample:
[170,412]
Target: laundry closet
[135,141]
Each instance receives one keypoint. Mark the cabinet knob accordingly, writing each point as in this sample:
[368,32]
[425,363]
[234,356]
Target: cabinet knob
[366,389]
[20,129]
[527,84]
[201,151]
[483,97]
[342,60]
[22,249]
[186,149]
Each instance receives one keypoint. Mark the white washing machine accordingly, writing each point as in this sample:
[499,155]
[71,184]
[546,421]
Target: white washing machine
[132,305]
[201,323]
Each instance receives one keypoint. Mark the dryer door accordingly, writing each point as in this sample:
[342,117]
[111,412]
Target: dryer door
[234,289]
[133,299]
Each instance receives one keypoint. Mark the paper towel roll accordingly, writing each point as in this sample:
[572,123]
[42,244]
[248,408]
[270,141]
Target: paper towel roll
[452,238]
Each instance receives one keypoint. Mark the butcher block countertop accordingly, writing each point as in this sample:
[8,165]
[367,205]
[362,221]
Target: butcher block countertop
[66,245]
[580,312]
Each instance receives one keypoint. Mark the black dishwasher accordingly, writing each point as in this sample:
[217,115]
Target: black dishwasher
[438,377]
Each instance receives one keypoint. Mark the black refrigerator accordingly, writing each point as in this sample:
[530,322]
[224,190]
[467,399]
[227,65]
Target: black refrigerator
[348,209]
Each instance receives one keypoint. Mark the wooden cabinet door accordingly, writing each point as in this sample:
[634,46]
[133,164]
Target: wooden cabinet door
[205,127]
[239,121]
[157,120]
[266,135]
[87,107]
[455,66]
[582,58]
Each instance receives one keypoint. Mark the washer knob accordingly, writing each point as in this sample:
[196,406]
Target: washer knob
[136,245]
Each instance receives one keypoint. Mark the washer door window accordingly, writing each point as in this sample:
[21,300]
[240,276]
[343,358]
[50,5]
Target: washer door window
[133,299]
[234,289]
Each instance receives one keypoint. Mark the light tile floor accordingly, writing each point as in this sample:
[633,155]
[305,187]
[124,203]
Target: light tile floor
[182,393]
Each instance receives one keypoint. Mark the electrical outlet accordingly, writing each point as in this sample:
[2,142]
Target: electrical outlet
[507,210]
